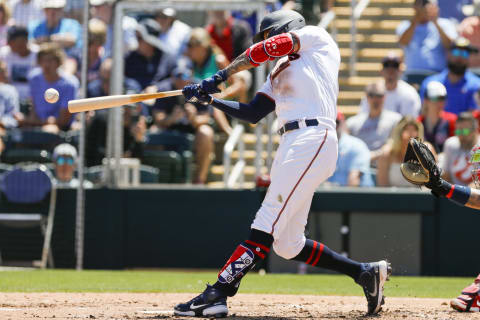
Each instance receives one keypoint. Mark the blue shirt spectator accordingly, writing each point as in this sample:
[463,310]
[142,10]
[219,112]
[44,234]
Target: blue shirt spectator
[55,28]
[353,155]
[66,85]
[425,51]
[460,95]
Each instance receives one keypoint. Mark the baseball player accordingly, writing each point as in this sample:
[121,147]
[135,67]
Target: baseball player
[302,88]
[419,168]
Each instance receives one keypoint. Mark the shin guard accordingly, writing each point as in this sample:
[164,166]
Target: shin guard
[243,259]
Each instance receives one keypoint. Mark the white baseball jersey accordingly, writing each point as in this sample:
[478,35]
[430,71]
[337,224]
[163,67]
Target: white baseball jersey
[304,86]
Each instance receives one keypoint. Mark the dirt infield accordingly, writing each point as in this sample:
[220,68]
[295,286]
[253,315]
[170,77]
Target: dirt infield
[16,306]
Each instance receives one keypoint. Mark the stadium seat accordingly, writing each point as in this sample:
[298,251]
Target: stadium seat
[27,209]
[169,163]
[170,141]
[13,156]
[32,139]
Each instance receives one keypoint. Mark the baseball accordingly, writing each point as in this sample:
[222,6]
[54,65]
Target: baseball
[51,95]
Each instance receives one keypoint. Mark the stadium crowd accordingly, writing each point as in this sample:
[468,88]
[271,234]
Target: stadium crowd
[432,92]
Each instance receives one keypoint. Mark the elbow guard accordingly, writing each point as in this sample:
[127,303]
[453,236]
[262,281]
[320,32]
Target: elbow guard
[274,47]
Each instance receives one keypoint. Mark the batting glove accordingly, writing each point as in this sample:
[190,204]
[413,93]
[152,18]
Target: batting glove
[210,85]
[193,93]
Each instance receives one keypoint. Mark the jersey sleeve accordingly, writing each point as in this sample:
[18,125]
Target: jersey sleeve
[310,36]
[266,89]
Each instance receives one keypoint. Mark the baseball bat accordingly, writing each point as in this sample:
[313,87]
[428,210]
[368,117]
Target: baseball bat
[97,103]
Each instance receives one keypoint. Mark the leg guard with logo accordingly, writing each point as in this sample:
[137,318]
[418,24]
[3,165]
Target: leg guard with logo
[243,259]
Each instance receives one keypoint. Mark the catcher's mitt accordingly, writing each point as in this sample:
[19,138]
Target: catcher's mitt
[419,166]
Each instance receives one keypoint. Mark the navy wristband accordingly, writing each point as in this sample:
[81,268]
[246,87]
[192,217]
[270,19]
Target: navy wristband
[223,74]
[459,194]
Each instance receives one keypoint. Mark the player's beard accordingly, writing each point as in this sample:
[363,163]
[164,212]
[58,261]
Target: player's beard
[457,69]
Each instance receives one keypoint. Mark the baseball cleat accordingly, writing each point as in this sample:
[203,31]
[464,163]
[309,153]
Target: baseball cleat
[372,279]
[469,300]
[210,303]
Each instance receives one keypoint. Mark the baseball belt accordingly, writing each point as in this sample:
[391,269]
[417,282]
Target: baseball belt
[294,125]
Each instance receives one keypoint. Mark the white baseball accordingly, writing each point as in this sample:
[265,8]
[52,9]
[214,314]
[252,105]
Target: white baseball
[51,95]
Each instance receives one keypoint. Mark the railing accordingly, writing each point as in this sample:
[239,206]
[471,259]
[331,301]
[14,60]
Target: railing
[327,20]
[236,174]
[357,11]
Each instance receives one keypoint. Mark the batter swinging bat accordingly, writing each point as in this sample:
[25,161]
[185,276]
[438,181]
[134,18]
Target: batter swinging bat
[116,101]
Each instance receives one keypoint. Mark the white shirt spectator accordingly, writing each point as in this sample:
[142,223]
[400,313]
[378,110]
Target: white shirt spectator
[130,43]
[9,105]
[19,69]
[176,37]
[373,131]
[403,100]
[24,13]
[456,161]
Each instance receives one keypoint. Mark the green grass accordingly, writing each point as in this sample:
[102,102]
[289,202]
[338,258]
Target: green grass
[182,281]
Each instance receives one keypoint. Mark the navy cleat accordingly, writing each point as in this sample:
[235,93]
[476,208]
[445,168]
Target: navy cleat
[210,303]
[372,279]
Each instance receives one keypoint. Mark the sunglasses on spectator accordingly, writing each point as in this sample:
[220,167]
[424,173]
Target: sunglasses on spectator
[463,132]
[439,98]
[375,95]
[192,44]
[460,53]
[391,64]
[64,160]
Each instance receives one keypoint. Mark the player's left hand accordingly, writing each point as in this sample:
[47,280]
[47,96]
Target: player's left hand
[193,93]
[210,85]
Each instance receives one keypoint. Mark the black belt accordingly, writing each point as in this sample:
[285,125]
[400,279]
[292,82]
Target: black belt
[294,125]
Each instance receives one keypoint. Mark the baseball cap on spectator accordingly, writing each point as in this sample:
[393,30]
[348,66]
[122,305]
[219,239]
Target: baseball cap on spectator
[66,150]
[96,3]
[168,12]
[472,9]
[391,60]
[16,32]
[435,91]
[150,31]
[463,44]
[53,4]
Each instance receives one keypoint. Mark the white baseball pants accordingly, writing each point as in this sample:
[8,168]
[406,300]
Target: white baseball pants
[305,158]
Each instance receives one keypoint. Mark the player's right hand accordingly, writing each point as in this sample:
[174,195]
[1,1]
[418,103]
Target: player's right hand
[210,85]
[194,93]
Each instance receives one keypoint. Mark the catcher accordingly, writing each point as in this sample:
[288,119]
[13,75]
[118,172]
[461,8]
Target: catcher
[419,167]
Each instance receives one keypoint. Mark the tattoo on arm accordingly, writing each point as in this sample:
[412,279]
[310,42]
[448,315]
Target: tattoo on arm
[474,200]
[239,64]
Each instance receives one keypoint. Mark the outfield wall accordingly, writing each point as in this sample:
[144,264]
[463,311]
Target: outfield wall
[199,228]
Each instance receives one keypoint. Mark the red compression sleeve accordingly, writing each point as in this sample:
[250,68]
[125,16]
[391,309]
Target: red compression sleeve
[274,47]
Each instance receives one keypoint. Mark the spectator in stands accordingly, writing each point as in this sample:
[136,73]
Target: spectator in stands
[97,34]
[353,163]
[233,36]
[150,63]
[438,124]
[208,58]
[65,161]
[469,28]
[65,32]
[453,9]
[461,84]
[374,127]
[25,12]
[456,151]
[171,114]
[175,34]
[4,22]
[51,116]
[21,59]
[425,40]
[388,165]
[10,115]
[399,95]
[103,10]
[134,131]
